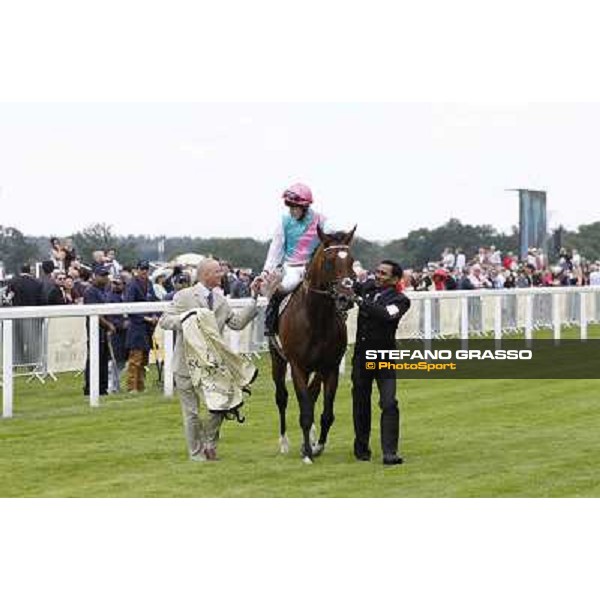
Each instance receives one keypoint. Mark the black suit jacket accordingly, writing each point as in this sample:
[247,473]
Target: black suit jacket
[26,289]
[378,316]
[51,293]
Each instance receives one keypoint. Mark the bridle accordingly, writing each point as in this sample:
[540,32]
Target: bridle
[337,247]
[329,291]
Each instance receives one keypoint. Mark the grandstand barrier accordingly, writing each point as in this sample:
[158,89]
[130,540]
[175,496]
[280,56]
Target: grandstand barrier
[55,339]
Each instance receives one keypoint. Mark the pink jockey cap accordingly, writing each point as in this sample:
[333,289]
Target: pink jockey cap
[298,195]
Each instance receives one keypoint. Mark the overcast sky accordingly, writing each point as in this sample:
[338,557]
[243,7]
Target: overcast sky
[219,169]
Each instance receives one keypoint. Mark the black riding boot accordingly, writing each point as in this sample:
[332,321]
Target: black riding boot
[272,314]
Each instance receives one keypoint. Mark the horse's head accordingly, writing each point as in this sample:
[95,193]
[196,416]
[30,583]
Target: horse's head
[330,270]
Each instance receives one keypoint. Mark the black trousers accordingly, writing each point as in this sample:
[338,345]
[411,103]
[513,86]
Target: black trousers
[362,388]
[103,368]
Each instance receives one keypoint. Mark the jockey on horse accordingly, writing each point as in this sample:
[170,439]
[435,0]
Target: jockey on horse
[292,246]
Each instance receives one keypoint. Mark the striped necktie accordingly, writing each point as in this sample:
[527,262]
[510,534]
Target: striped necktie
[209,299]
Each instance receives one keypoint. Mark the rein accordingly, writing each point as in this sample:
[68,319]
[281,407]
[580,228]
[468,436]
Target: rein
[329,292]
[316,290]
[337,247]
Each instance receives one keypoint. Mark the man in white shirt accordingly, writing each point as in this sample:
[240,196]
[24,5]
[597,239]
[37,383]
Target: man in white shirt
[496,257]
[478,279]
[112,263]
[461,260]
[498,279]
[448,259]
[595,275]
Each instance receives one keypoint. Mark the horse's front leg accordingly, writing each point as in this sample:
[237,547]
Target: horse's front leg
[307,409]
[330,385]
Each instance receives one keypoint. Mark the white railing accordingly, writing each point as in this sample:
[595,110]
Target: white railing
[432,315]
[498,311]
[92,311]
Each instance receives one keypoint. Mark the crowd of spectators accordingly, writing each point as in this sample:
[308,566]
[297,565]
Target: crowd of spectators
[64,278]
[491,269]
[125,341]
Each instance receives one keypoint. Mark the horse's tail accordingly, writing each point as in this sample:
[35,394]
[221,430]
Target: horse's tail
[314,386]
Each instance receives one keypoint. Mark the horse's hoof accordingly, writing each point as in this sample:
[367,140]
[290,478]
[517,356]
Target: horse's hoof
[317,449]
[306,454]
[284,444]
[312,435]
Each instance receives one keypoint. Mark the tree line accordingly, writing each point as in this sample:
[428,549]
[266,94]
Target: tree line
[415,250]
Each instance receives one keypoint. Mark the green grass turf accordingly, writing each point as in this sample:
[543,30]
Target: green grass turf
[465,438]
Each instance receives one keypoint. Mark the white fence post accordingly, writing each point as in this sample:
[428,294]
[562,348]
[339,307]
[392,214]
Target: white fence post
[168,367]
[498,319]
[464,321]
[556,317]
[234,341]
[427,323]
[583,316]
[94,361]
[7,369]
[528,317]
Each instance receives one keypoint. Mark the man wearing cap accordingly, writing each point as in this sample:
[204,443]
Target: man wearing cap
[117,350]
[179,281]
[141,327]
[96,294]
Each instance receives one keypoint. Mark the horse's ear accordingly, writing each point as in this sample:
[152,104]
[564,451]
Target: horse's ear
[320,233]
[349,236]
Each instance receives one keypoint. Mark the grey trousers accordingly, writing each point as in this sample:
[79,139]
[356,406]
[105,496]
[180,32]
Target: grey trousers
[200,430]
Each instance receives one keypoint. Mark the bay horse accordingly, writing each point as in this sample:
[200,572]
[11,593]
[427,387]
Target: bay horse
[313,338]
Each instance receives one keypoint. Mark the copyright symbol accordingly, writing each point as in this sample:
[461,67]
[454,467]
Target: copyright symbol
[370,365]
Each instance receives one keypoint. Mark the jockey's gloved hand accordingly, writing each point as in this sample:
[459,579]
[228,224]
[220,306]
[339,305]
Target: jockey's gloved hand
[260,281]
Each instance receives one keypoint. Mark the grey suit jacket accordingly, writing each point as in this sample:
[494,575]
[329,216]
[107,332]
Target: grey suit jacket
[195,297]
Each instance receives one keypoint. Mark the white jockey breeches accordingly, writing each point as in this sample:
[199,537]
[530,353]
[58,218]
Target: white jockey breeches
[292,277]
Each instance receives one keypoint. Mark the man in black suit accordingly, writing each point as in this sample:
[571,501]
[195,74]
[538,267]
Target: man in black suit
[51,292]
[381,306]
[96,294]
[25,289]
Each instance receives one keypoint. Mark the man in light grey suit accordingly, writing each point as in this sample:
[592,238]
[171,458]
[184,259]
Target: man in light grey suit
[201,435]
